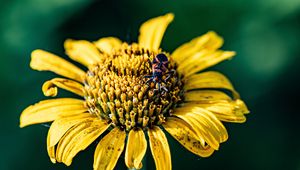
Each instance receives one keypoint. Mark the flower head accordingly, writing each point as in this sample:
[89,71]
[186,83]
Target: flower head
[132,89]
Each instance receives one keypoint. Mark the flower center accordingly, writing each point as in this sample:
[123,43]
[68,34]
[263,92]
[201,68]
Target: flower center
[133,87]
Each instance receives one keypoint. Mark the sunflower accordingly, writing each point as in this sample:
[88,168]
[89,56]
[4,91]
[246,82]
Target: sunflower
[128,90]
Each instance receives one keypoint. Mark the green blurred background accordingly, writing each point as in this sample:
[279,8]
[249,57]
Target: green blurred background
[265,35]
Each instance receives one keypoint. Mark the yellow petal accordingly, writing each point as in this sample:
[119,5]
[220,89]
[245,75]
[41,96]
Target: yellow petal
[49,110]
[45,61]
[202,60]
[135,149]
[83,139]
[50,87]
[228,111]
[209,42]
[160,148]
[71,133]
[109,150]
[83,52]
[186,136]
[206,96]
[59,127]
[209,79]
[50,150]
[152,31]
[204,123]
[108,44]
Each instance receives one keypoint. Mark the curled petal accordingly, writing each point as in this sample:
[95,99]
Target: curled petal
[202,60]
[45,61]
[83,52]
[50,87]
[160,149]
[208,42]
[152,31]
[135,149]
[109,150]
[209,79]
[186,136]
[108,44]
[49,110]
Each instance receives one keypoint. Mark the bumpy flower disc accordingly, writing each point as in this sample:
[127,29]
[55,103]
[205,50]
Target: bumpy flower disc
[117,89]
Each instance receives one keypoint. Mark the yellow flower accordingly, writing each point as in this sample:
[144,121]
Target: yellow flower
[122,100]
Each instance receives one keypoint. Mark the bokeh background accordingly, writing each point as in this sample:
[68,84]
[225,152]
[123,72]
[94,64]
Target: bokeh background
[265,35]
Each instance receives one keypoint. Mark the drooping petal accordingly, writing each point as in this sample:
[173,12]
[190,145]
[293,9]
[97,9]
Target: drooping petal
[228,111]
[50,87]
[186,136]
[83,139]
[59,127]
[160,148]
[152,31]
[107,44]
[49,110]
[109,150]
[205,124]
[71,133]
[135,149]
[45,61]
[202,60]
[83,52]
[208,42]
[209,79]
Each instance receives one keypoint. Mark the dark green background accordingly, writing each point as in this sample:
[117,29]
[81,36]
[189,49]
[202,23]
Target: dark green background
[265,35]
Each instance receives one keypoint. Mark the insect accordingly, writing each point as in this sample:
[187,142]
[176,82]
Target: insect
[159,67]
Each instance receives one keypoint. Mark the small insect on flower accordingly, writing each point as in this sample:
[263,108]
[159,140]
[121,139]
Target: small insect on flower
[159,67]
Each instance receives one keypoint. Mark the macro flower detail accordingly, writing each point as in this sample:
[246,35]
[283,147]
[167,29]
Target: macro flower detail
[130,90]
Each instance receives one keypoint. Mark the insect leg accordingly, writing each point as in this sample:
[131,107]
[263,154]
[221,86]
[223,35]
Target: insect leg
[169,74]
[150,80]
[165,89]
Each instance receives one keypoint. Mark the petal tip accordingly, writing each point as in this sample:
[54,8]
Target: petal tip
[170,16]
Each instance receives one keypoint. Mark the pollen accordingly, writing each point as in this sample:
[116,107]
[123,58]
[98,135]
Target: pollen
[116,89]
